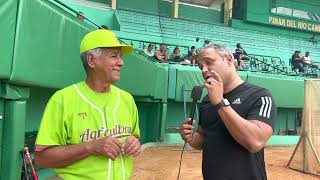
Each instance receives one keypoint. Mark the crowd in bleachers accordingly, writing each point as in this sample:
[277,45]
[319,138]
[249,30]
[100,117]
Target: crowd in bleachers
[162,54]
[302,64]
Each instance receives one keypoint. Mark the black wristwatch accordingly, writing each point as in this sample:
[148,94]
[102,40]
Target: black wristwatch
[223,103]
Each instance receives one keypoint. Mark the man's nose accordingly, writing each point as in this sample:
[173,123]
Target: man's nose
[204,69]
[120,61]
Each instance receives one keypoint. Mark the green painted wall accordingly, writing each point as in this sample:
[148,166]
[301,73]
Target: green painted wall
[13,142]
[143,78]
[2,104]
[164,8]
[200,14]
[100,16]
[35,106]
[149,120]
[47,52]
[8,13]
[102,1]
[150,6]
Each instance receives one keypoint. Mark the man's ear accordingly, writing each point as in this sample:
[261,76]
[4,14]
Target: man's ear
[91,61]
[230,60]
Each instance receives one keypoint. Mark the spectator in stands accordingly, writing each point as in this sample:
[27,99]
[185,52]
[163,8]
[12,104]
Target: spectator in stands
[80,15]
[296,62]
[197,43]
[240,55]
[313,39]
[161,54]
[307,60]
[206,42]
[176,56]
[149,52]
[192,55]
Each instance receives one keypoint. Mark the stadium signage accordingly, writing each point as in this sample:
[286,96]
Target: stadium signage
[297,24]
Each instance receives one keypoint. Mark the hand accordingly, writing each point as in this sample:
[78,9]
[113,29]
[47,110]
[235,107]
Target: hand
[186,131]
[107,146]
[214,85]
[131,147]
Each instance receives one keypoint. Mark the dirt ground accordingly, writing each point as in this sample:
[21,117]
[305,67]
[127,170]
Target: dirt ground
[161,163]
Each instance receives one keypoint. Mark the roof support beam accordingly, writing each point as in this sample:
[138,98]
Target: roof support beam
[114,4]
[175,8]
[227,11]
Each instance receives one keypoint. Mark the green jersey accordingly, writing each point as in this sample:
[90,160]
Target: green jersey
[77,114]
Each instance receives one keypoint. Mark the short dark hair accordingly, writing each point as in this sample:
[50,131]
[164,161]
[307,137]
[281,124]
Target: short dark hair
[192,47]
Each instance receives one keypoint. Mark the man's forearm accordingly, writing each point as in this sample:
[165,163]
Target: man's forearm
[61,156]
[248,134]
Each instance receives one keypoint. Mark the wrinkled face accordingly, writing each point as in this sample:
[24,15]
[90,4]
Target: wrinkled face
[210,60]
[107,66]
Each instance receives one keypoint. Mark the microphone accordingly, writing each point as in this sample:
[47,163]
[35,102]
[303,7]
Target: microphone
[195,95]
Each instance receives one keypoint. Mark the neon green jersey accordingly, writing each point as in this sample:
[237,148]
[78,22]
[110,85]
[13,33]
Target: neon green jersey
[77,114]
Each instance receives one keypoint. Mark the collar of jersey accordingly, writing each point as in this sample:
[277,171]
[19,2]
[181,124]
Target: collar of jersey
[98,99]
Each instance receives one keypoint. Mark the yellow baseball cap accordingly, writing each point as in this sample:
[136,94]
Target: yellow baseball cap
[102,38]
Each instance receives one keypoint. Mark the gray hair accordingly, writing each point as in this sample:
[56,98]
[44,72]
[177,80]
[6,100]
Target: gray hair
[222,50]
[94,52]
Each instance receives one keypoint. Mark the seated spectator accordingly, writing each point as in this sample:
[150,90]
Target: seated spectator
[313,39]
[296,62]
[197,43]
[161,54]
[176,56]
[192,55]
[306,60]
[206,42]
[149,52]
[240,55]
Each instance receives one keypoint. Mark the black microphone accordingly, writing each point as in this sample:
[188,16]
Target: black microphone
[195,95]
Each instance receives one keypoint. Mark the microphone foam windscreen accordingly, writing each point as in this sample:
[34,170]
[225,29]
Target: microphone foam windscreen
[196,92]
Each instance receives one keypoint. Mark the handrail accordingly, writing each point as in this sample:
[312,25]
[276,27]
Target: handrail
[76,12]
[187,47]
[254,56]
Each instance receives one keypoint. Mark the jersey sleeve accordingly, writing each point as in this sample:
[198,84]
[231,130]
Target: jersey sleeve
[264,109]
[52,131]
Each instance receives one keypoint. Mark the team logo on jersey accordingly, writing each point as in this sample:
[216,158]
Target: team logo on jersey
[118,131]
[82,115]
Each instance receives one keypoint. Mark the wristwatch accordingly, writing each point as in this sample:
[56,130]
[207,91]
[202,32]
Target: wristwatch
[223,103]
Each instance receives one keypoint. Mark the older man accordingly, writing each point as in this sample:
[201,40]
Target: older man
[90,130]
[236,120]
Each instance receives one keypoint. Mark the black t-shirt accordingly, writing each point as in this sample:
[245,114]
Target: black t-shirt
[295,58]
[224,158]
[238,52]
